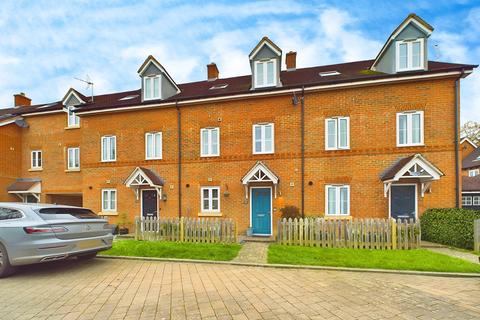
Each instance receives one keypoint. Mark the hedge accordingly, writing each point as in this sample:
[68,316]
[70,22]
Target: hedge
[452,226]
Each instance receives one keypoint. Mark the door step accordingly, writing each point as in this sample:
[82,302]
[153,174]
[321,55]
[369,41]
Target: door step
[268,239]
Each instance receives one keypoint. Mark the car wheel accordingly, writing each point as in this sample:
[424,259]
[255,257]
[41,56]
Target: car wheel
[87,256]
[6,268]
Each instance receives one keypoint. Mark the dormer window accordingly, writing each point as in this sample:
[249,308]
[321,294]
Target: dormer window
[73,120]
[265,74]
[410,55]
[151,87]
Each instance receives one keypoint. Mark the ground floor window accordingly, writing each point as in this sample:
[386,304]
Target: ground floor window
[466,200]
[337,199]
[109,200]
[210,199]
[476,200]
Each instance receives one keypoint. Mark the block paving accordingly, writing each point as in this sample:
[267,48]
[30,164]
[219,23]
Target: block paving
[132,289]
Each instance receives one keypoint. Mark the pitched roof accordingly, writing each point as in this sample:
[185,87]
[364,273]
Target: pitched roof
[391,171]
[304,77]
[401,169]
[469,141]
[265,40]
[22,185]
[471,183]
[156,180]
[472,160]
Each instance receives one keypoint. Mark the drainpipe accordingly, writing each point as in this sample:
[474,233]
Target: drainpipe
[457,170]
[179,133]
[302,137]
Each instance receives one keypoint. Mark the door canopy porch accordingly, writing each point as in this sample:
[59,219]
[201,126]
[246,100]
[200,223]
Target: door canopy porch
[412,167]
[260,173]
[23,188]
[143,178]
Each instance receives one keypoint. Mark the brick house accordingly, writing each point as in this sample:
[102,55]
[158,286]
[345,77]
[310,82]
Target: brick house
[470,174]
[357,139]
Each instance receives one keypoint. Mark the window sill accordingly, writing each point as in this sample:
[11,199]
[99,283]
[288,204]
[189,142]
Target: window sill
[72,170]
[209,155]
[35,169]
[107,213]
[106,161]
[338,216]
[210,214]
[148,159]
[262,153]
[410,145]
[338,149]
[72,127]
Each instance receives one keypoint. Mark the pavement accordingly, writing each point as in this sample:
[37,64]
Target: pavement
[253,252]
[435,247]
[135,289]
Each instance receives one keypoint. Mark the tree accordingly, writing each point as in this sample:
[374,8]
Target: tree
[471,130]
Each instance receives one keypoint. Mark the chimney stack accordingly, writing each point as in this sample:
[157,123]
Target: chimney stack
[21,100]
[291,60]
[212,71]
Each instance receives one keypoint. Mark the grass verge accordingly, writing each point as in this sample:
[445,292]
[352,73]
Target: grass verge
[419,259]
[163,249]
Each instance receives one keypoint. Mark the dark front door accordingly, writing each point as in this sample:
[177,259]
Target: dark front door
[261,211]
[149,203]
[403,203]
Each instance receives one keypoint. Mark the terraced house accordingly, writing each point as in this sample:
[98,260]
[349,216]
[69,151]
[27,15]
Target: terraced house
[374,138]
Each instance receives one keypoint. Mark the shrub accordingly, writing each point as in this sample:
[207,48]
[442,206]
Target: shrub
[290,212]
[452,226]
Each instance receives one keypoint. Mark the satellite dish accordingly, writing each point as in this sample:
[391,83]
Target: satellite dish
[21,123]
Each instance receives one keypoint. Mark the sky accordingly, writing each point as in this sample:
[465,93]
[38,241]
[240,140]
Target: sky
[44,45]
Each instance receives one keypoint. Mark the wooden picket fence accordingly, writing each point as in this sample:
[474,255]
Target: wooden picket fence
[205,230]
[476,235]
[357,233]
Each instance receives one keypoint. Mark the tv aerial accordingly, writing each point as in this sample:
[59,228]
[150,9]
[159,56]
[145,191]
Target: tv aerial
[88,82]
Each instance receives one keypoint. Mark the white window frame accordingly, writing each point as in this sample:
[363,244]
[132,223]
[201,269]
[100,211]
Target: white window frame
[337,133]
[410,54]
[155,155]
[409,115]
[210,200]
[467,200]
[73,121]
[35,163]
[152,89]
[473,172]
[109,207]
[109,144]
[73,150]
[209,133]
[337,188]
[476,200]
[263,126]
[265,76]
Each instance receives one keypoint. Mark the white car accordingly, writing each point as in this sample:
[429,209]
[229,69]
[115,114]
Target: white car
[34,233]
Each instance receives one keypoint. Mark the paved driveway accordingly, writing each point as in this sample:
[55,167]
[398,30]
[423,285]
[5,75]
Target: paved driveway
[126,289]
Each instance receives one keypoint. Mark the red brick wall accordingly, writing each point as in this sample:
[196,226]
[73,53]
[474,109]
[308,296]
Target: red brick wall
[10,150]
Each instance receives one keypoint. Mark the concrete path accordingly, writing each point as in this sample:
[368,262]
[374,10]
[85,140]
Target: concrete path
[253,252]
[440,248]
[131,289]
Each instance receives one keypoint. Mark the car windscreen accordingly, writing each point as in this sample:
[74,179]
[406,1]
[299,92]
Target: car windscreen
[79,213]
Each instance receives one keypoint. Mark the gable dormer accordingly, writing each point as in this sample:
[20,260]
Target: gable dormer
[156,82]
[407,47]
[72,99]
[265,62]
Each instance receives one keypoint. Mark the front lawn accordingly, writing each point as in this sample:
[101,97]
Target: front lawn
[163,249]
[419,259]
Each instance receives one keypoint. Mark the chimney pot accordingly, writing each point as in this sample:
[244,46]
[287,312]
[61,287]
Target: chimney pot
[21,100]
[212,71]
[291,60]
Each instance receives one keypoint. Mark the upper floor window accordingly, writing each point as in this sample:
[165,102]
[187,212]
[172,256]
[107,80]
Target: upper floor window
[151,87]
[337,133]
[473,172]
[73,158]
[265,73]
[210,199]
[109,200]
[73,120]
[36,159]
[337,199]
[410,128]
[210,142]
[263,138]
[153,145]
[410,55]
[109,148]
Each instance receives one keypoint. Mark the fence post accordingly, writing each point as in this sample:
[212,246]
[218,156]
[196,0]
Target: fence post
[137,227]
[394,234]
[476,235]
[182,229]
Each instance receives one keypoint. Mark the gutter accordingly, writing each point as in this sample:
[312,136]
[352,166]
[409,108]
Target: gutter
[179,133]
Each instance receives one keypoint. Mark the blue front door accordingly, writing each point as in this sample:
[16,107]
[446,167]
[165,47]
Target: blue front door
[261,211]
